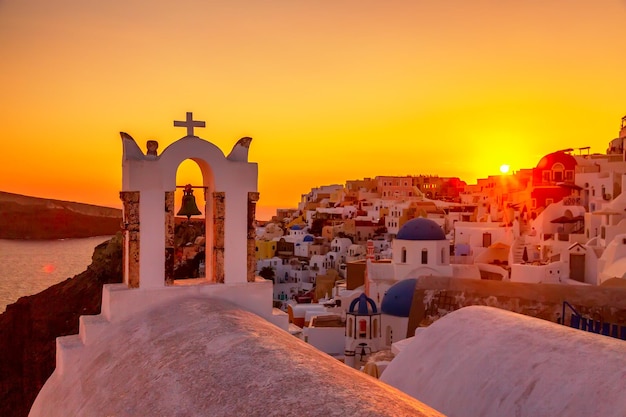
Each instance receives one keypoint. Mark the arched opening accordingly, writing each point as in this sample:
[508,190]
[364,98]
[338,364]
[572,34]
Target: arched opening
[557,172]
[362,329]
[187,242]
[403,257]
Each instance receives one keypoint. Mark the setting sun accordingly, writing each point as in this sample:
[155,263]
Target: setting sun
[504,169]
[330,91]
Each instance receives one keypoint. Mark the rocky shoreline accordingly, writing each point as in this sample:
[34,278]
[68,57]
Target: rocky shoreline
[30,326]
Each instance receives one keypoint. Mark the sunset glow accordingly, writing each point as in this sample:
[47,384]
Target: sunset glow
[329,91]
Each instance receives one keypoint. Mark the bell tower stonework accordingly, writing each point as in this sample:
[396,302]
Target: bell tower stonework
[148,184]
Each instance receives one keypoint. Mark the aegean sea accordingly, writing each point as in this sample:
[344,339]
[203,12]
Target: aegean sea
[30,266]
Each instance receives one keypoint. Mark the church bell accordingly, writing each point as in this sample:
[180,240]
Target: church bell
[188,207]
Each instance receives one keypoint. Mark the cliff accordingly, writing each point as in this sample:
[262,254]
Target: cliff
[29,327]
[23,217]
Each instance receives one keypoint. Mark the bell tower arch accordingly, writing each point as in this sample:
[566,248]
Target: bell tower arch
[148,184]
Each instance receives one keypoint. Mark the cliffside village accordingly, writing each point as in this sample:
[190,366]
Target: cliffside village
[364,272]
[559,222]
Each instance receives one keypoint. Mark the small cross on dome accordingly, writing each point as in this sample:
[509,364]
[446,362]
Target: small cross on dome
[189,123]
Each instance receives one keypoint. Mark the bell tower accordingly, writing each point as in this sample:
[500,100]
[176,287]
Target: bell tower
[148,184]
[363,331]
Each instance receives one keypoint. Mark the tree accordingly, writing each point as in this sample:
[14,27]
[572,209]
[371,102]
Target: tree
[268,272]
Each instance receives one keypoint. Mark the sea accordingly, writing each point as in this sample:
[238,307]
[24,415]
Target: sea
[30,266]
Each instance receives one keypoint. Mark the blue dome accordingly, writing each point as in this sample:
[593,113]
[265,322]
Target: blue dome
[421,229]
[360,304]
[296,227]
[308,238]
[398,299]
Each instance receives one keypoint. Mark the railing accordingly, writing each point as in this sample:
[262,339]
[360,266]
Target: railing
[572,201]
[562,237]
[578,321]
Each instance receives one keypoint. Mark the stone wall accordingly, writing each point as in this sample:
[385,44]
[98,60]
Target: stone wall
[436,296]
[219,217]
[253,197]
[170,228]
[131,221]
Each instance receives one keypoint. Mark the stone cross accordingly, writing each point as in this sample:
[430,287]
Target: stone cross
[189,123]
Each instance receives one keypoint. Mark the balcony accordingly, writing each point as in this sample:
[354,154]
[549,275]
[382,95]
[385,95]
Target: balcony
[572,201]
[462,259]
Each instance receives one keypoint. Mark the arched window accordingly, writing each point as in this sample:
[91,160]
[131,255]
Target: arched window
[375,328]
[424,256]
[362,329]
[557,172]
[443,256]
[403,257]
[388,336]
[349,327]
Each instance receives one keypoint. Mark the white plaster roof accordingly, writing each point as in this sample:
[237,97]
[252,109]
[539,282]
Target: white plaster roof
[206,357]
[482,361]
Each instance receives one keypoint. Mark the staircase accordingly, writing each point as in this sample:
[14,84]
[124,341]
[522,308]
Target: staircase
[518,249]
[120,302]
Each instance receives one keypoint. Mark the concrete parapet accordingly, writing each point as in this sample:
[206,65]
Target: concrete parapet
[68,350]
[436,296]
[120,302]
[90,327]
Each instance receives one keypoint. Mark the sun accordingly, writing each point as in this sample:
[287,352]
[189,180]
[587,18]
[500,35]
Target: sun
[504,168]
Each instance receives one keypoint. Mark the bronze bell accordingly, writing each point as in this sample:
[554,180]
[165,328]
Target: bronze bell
[188,207]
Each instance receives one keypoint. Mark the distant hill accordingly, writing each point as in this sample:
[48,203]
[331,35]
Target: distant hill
[24,217]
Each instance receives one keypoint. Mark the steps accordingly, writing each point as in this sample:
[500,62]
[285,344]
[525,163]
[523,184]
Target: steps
[68,350]
[120,302]
[518,250]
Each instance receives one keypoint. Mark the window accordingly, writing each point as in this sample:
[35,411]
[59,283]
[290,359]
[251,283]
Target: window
[403,257]
[557,172]
[389,336]
[424,256]
[362,329]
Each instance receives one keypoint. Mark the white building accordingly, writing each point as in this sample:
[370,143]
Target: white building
[420,249]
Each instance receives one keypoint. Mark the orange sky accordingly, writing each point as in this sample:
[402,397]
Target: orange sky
[329,90]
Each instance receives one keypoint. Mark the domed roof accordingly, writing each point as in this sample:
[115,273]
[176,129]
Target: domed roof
[361,305]
[398,299]
[308,238]
[421,229]
[207,351]
[296,227]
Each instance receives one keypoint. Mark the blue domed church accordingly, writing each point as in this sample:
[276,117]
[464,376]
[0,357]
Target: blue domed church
[420,248]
